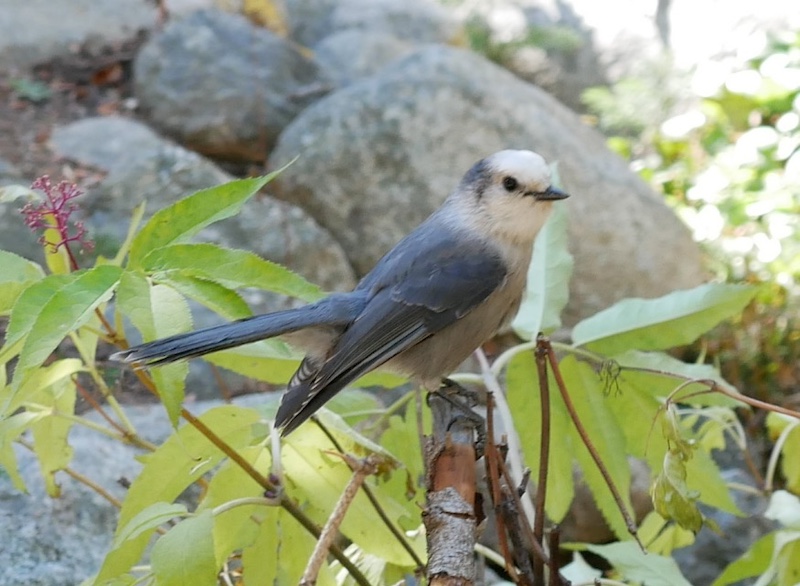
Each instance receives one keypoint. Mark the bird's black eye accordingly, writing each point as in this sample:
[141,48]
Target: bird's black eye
[510,183]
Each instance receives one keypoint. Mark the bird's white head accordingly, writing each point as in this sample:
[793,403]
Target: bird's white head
[508,195]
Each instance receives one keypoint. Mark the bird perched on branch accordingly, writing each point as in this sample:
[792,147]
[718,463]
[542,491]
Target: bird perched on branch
[434,298]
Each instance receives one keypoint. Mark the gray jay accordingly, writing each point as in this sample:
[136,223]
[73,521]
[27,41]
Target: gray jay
[434,298]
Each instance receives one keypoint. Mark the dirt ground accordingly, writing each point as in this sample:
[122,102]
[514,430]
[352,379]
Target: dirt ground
[86,82]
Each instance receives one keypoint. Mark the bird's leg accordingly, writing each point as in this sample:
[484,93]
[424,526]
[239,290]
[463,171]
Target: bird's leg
[462,400]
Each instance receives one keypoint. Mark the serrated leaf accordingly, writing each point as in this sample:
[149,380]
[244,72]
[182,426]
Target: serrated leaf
[10,429]
[158,311]
[754,562]
[652,370]
[547,291]
[185,555]
[705,477]
[38,382]
[237,527]
[211,294]
[67,309]
[524,399]
[168,471]
[280,553]
[593,406]
[149,519]
[317,479]
[231,268]
[26,311]
[50,433]
[658,324]
[16,274]
[638,566]
[186,217]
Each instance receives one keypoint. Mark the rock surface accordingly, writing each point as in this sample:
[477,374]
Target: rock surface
[352,54]
[144,166]
[32,31]
[223,86]
[381,154]
[425,21]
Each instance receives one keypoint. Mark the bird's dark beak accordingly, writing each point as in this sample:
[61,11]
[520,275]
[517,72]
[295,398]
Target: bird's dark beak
[551,194]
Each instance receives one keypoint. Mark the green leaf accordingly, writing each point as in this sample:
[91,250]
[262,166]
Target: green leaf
[638,566]
[524,399]
[237,527]
[50,433]
[37,383]
[268,360]
[754,562]
[177,463]
[231,268]
[133,227]
[317,478]
[593,406]
[65,310]
[657,324]
[26,311]
[185,555]
[547,292]
[10,429]
[158,311]
[211,294]
[705,477]
[16,275]
[185,218]
[280,553]
[149,519]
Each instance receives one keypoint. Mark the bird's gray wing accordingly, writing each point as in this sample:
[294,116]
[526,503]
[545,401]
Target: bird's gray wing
[421,295]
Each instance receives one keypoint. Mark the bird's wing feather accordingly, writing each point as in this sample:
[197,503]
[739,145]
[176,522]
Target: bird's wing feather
[417,298]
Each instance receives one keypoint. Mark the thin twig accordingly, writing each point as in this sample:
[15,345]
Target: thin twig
[491,458]
[601,467]
[544,457]
[514,444]
[85,480]
[370,494]
[361,469]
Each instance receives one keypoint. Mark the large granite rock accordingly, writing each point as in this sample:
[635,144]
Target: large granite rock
[223,86]
[381,154]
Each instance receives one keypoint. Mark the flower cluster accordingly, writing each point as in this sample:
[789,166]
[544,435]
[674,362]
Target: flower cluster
[54,214]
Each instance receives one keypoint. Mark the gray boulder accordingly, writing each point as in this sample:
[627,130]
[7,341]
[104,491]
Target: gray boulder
[354,54]
[32,31]
[425,21]
[141,165]
[15,236]
[223,86]
[381,154]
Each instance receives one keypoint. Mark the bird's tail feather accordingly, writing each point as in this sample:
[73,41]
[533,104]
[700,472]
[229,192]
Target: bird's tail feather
[334,310]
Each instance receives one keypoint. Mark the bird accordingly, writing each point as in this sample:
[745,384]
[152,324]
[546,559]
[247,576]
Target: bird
[432,300]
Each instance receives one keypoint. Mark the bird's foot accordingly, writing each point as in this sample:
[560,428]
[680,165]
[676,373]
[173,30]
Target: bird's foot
[460,414]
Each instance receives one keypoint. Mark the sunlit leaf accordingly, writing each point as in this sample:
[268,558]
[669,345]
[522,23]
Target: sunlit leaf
[231,268]
[185,555]
[524,400]
[658,324]
[547,292]
[64,310]
[638,566]
[186,217]
[16,275]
